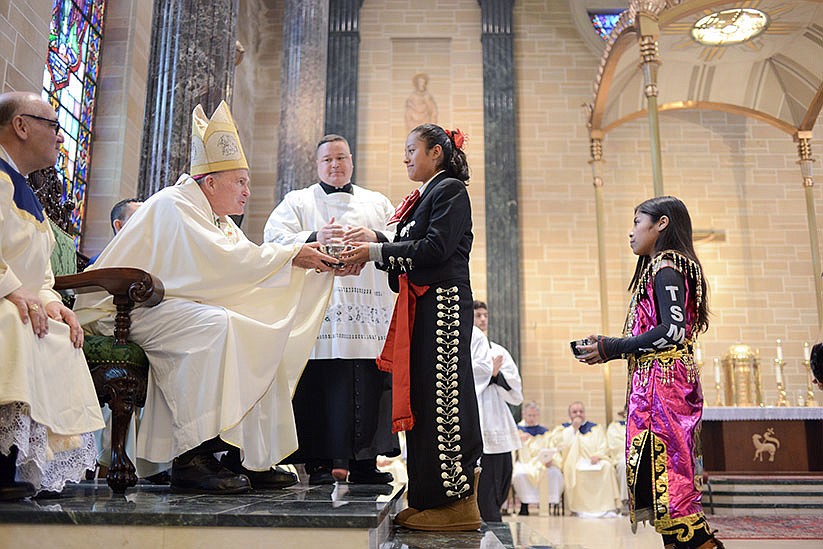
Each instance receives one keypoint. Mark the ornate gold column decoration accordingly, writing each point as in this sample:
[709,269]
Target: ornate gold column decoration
[804,153]
[596,162]
[648,28]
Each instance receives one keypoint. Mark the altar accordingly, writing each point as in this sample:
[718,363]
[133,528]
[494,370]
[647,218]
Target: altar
[763,440]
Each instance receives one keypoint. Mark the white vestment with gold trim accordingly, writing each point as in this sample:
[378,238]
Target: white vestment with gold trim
[230,340]
[47,374]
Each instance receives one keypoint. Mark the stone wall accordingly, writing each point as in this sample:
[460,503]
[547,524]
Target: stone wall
[118,119]
[24,40]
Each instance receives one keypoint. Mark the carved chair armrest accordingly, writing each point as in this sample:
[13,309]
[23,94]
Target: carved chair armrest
[127,285]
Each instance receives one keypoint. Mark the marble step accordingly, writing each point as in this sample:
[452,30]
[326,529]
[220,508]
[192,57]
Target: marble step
[759,495]
[340,516]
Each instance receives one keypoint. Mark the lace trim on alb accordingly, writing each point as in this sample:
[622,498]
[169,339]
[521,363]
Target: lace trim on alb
[31,438]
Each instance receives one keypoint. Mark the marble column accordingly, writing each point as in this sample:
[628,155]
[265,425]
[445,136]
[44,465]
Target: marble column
[499,115]
[342,70]
[191,61]
[302,92]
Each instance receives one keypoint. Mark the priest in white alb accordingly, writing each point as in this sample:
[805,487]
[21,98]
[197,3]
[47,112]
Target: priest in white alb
[229,341]
[342,405]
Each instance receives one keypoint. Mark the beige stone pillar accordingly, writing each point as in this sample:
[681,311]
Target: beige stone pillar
[596,150]
[804,153]
[648,29]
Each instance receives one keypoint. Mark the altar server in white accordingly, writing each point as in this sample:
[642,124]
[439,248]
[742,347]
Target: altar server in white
[500,434]
[229,341]
[48,406]
[342,405]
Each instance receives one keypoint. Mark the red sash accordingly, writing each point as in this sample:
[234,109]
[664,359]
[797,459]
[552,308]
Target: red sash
[395,357]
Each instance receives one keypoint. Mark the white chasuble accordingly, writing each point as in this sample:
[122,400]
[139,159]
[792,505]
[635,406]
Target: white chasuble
[359,312]
[48,373]
[591,488]
[230,340]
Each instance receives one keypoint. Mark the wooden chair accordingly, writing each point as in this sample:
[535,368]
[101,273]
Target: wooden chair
[119,368]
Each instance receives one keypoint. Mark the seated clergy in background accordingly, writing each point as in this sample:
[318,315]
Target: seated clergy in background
[538,465]
[616,437]
[48,406]
[228,343]
[591,483]
[120,213]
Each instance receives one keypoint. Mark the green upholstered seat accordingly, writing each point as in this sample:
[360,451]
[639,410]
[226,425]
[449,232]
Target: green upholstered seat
[102,350]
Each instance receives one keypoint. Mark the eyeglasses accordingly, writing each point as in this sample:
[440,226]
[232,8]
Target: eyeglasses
[53,123]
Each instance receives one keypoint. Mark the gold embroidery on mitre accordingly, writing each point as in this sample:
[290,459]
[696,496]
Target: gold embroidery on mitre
[215,143]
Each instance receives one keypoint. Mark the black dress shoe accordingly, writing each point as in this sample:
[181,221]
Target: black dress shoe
[203,474]
[161,478]
[12,491]
[321,477]
[273,479]
[373,476]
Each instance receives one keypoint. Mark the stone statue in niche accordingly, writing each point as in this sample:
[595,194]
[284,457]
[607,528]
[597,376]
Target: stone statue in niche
[420,106]
[239,52]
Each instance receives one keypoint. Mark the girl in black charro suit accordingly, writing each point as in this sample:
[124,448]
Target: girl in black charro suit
[427,349]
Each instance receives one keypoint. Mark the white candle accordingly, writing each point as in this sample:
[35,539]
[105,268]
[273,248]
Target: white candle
[698,354]
[779,350]
[777,373]
[807,352]
[716,371]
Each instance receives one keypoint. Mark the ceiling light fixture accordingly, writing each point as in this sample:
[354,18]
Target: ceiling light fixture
[728,27]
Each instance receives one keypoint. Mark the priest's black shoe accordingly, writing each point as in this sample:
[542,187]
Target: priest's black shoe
[10,489]
[273,479]
[161,478]
[319,475]
[373,476]
[203,474]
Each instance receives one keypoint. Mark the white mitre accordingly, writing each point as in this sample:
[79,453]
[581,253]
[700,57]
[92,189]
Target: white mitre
[215,144]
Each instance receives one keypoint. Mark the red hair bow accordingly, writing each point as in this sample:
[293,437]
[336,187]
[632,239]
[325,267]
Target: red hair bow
[456,136]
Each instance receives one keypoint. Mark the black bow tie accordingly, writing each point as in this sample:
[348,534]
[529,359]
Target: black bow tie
[328,189]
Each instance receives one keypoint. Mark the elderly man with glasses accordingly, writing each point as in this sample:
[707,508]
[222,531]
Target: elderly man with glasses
[48,407]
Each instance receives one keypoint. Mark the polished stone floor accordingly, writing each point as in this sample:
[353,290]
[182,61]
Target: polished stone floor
[340,516]
[344,515]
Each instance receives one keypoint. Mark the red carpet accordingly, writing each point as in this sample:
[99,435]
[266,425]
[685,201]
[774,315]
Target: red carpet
[767,527]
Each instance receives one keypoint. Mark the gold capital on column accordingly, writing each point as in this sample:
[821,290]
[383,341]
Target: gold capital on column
[596,149]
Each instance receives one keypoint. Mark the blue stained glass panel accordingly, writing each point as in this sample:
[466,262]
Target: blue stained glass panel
[70,85]
[604,21]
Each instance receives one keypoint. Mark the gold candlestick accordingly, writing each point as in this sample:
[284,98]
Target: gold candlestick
[718,399]
[810,401]
[781,390]
[758,379]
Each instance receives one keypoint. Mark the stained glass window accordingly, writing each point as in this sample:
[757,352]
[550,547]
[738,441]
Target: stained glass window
[70,85]
[604,21]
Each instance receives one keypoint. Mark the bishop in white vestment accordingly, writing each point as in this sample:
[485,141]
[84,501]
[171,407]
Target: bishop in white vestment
[230,340]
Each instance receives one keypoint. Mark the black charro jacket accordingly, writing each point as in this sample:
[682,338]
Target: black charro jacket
[433,243]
